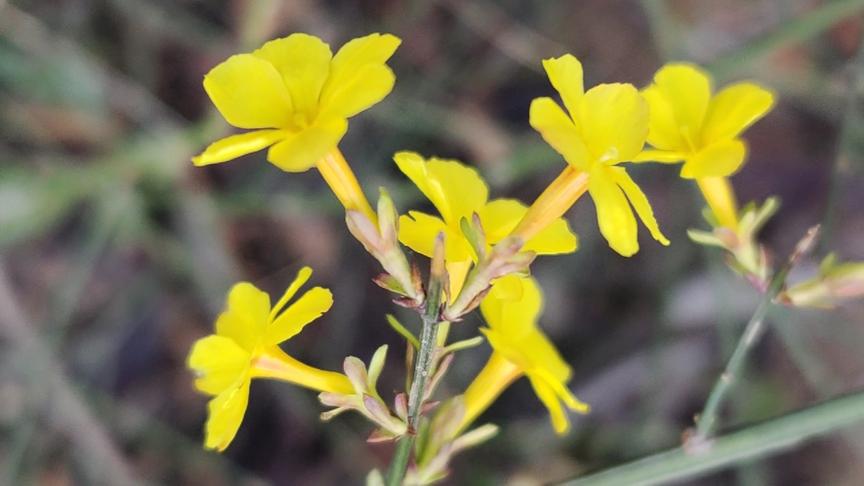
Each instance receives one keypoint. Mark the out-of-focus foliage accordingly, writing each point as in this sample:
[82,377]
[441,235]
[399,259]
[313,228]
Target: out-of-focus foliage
[116,253]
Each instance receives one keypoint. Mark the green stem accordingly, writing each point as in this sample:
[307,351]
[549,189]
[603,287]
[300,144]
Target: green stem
[707,420]
[765,439]
[422,368]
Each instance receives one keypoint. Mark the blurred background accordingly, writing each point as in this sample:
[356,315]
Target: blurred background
[116,253]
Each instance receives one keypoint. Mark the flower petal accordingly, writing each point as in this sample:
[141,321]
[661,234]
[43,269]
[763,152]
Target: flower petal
[418,231]
[661,156]
[614,121]
[358,76]
[560,421]
[614,215]
[456,190]
[555,239]
[246,315]
[512,318]
[500,216]
[640,203]
[249,93]
[719,160]
[687,90]
[235,146]
[307,308]
[663,130]
[735,108]
[218,362]
[301,151]
[303,61]
[558,130]
[371,85]
[226,413]
[302,277]
[565,74]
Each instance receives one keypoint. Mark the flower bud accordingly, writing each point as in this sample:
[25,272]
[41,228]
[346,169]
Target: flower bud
[836,283]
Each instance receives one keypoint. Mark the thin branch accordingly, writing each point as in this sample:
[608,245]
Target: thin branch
[706,421]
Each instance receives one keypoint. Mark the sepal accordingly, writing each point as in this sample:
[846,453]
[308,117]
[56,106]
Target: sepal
[365,398]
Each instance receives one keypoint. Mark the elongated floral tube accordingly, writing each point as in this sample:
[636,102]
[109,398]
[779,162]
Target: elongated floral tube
[275,363]
[493,379]
[555,200]
[721,199]
[342,181]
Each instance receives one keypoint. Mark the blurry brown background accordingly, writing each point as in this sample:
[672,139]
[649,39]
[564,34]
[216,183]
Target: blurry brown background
[116,253]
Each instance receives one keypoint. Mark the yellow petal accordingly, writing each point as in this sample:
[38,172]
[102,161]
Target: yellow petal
[300,151]
[249,93]
[246,315]
[614,122]
[614,216]
[302,277]
[558,130]
[687,89]
[457,271]
[640,203]
[358,76]
[418,231]
[235,146]
[547,395]
[734,109]
[464,190]
[565,74]
[303,61]
[226,413]
[218,362]
[371,85]
[663,130]
[719,160]
[304,310]
[456,190]
[509,287]
[511,317]
[661,156]
[543,359]
[499,217]
[555,239]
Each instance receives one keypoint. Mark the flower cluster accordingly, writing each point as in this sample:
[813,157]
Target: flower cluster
[296,98]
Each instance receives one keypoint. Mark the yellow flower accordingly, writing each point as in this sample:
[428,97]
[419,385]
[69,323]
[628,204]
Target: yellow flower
[246,346]
[457,191]
[689,124]
[296,97]
[603,127]
[520,349]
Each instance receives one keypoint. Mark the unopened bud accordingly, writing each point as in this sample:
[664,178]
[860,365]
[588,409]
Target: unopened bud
[836,283]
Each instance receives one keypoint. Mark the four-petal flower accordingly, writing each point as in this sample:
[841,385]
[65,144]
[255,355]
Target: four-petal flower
[296,96]
[520,348]
[458,192]
[246,345]
[602,128]
[688,124]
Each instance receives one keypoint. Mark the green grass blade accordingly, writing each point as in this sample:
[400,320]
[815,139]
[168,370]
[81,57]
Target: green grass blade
[757,441]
